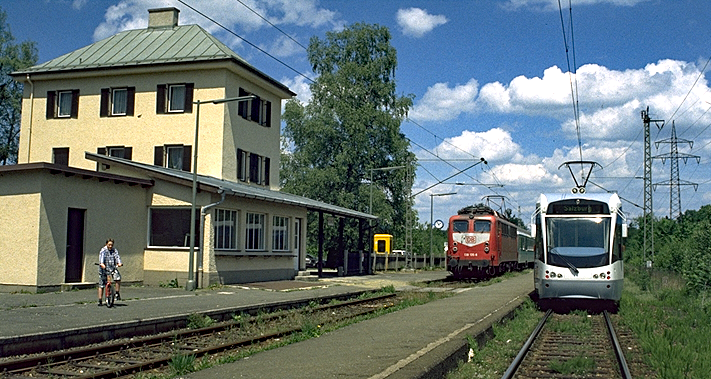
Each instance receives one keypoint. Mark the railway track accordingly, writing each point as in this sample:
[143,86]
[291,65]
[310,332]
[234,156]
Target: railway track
[571,346]
[126,358]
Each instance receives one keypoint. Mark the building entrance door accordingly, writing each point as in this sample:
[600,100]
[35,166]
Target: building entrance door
[75,246]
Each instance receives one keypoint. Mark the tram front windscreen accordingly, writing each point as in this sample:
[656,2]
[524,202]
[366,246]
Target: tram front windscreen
[580,242]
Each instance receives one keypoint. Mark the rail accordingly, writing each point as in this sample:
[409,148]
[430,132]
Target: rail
[528,351]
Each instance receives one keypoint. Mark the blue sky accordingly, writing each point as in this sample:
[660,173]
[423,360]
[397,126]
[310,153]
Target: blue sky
[490,79]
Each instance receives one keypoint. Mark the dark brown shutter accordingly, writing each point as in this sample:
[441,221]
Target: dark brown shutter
[187,151]
[130,95]
[127,152]
[189,97]
[256,105]
[266,170]
[75,104]
[240,165]
[51,104]
[158,156]
[101,151]
[160,98]
[253,168]
[104,106]
[242,106]
[268,116]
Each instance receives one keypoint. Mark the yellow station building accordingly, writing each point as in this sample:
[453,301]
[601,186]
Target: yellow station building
[107,150]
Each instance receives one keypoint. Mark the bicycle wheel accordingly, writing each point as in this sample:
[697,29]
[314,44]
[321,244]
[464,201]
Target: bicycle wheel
[110,292]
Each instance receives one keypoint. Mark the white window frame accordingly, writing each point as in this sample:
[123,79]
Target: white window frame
[226,226]
[255,228]
[176,104]
[115,103]
[169,150]
[280,233]
[64,107]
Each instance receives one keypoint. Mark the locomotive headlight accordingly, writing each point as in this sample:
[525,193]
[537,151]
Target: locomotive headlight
[486,249]
[595,276]
[454,249]
[602,275]
[552,274]
[560,275]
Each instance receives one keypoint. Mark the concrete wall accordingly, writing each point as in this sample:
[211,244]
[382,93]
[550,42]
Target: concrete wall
[34,240]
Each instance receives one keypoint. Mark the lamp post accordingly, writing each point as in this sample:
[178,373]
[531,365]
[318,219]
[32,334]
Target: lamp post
[432,196]
[190,285]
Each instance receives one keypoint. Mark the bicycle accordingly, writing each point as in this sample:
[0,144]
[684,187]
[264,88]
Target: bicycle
[109,290]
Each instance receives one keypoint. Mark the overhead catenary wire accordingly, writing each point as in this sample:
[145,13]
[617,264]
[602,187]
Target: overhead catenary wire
[274,26]
[245,40]
[571,72]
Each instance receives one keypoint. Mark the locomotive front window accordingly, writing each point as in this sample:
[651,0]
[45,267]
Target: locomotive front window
[460,226]
[581,242]
[482,226]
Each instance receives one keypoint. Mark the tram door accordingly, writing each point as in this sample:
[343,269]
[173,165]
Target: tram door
[75,246]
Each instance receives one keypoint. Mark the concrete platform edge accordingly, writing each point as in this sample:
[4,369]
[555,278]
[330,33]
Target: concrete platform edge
[448,355]
[69,338]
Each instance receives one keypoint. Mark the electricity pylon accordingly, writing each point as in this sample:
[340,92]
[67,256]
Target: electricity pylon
[674,182]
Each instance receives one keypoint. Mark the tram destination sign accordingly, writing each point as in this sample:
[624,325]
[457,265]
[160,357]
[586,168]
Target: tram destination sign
[577,208]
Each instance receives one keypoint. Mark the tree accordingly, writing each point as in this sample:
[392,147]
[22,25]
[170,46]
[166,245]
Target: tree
[13,57]
[351,126]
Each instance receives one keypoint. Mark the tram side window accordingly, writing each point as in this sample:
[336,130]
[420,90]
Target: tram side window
[461,226]
[617,243]
[482,226]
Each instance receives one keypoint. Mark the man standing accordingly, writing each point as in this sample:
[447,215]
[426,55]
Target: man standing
[109,260]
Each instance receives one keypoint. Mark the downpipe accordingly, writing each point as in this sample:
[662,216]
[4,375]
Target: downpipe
[203,212]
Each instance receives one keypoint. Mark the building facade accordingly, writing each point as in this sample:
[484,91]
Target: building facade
[107,150]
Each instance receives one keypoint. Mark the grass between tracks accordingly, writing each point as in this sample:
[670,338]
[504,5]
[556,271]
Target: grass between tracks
[312,326]
[671,327]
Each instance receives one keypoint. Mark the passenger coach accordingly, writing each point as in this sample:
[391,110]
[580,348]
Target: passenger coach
[578,246]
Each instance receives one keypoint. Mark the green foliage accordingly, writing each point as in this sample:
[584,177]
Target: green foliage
[351,127]
[671,326]
[173,283]
[197,321]
[578,365]
[682,246]
[13,57]
[182,364]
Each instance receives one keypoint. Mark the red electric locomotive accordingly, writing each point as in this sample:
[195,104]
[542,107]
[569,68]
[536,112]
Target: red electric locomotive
[481,242]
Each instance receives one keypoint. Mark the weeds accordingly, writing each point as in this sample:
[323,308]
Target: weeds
[578,365]
[182,364]
[197,321]
[171,284]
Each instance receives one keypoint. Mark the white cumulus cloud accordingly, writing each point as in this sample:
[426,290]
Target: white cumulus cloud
[442,103]
[416,22]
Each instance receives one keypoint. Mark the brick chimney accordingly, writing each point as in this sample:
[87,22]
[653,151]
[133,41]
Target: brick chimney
[163,18]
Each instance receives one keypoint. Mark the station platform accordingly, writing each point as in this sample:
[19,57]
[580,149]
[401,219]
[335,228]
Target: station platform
[397,345]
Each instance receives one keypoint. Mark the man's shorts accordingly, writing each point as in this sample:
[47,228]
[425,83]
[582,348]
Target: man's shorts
[102,277]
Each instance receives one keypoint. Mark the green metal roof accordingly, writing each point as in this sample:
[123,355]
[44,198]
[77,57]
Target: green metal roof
[152,46]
